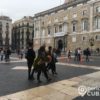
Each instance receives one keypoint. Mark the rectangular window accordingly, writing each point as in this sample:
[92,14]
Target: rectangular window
[97,37]
[55,29]
[49,30]
[60,28]
[85,25]
[84,12]
[74,39]
[98,9]
[74,27]
[43,33]
[65,27]
[97,21]
[37,34]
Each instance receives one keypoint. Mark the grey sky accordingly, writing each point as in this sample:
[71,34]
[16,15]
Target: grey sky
[16,9]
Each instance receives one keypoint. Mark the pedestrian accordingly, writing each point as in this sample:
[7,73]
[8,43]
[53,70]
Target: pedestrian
[18,53]
[54,60]
[42,64]
[2,54]
[69,56]
[79,54]
[76,55]
[22,53]
[51,64]
[30,56]
[87,54]
[7,54]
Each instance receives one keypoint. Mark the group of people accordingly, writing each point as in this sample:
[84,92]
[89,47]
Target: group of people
[41,63]
[78,54]
[5,54]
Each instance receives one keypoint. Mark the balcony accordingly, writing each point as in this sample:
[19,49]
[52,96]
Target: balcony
[59,34]
[86,16]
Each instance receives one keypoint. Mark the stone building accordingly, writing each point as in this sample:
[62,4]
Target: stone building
[5,31]
[76,23]
[22,33]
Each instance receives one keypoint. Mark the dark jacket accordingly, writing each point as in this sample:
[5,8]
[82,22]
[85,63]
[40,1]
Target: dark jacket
[87,52]
[30,55]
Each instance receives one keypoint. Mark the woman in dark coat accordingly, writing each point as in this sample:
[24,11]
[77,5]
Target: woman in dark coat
[42,64]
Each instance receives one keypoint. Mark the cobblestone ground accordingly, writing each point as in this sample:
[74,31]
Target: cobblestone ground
[64,86]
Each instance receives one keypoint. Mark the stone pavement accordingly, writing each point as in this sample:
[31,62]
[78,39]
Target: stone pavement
[13,60]
[72,76]
[94,60]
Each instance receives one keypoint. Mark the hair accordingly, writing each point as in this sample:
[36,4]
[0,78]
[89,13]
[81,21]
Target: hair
[49,47]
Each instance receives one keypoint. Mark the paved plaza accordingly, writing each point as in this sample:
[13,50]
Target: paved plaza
[71,77]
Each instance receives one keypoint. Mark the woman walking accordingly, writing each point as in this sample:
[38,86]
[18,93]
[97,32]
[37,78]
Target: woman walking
[42,64]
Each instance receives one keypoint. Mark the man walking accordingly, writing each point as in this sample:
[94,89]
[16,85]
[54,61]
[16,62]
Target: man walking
[30,56]
[87,54]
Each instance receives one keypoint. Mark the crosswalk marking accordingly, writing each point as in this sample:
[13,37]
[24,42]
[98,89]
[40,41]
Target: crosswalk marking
[13,60]
[78,65]
[20,68]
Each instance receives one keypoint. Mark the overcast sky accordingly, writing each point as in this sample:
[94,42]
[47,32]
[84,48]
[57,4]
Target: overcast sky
[16,9]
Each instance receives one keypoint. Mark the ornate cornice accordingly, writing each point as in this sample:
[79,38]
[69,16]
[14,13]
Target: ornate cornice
[61,7]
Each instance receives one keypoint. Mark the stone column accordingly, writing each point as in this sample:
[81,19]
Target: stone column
[91,17]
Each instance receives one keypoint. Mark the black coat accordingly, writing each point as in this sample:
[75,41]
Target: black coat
[30,55]
[87,52]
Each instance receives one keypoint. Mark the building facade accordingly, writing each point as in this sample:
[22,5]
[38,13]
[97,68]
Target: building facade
[74,24]
[22,33]
[5,31]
